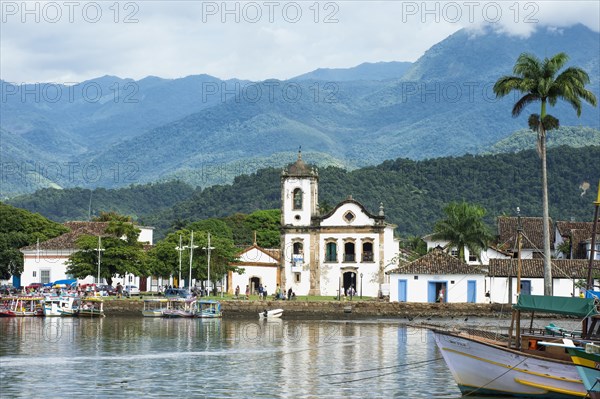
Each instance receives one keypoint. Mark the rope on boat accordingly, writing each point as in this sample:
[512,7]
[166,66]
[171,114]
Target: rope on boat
[380,368]
[418,364]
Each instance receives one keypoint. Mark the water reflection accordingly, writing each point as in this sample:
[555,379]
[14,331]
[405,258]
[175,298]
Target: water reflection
[192,358]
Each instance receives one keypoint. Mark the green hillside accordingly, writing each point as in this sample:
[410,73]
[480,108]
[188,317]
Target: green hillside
[525,139]
[413,192]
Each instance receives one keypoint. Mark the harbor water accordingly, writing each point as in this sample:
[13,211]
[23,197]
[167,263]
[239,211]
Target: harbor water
[222,358]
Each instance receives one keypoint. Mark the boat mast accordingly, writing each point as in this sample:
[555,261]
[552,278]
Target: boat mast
[519,236]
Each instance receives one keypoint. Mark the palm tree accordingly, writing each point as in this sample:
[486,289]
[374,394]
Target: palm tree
[463,227]
[538,81]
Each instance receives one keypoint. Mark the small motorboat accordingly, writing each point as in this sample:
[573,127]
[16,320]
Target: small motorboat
[268,314]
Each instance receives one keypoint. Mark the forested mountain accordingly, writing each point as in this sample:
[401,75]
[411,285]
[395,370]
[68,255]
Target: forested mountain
[365,71]
[413,192]
[524,139]
[84,204]
[205,131]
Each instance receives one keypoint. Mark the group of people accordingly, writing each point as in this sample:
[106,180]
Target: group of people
[262,293]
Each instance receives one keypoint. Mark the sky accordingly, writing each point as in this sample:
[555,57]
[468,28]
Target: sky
[72,41]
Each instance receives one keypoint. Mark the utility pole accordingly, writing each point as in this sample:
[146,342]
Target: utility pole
[191,247]
[180,248]
[208,248]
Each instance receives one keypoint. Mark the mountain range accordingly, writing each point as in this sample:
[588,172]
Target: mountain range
[113,132]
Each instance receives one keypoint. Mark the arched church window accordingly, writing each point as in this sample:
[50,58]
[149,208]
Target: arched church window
[367,251]
[297,200]
[349,252]
[331,252]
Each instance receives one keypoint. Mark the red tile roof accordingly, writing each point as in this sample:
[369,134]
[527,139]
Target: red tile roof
[534,268]
[68,240]
[532,232]
[437,262]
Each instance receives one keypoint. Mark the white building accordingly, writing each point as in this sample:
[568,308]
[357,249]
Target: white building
[261,267]
[324,254]
[423,279]
[47,261]
[566,274]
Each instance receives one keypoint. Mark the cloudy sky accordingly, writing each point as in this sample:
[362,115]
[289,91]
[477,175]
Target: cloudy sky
[71,41]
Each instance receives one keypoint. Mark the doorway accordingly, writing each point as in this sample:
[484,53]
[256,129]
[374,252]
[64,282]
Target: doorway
[349,281]
[254,283]
[433,291]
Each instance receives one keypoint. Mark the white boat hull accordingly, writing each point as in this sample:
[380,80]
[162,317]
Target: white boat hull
[486,369]
[275,313]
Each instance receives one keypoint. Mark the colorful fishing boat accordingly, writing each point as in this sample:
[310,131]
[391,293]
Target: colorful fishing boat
[588,365]
[22,306]
[90,307]
[155,307]
[60,305]
[207,309]
[179,307]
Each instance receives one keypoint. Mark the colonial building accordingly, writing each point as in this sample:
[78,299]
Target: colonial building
[423,279]
[46,262]
[260,267]
[323,254]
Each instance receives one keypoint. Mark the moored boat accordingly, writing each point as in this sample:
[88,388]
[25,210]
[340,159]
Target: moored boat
[207,309]
[588,366]
[60,305]
[179,307]
[155,307]
[273,313]
[90,307]
[22,306]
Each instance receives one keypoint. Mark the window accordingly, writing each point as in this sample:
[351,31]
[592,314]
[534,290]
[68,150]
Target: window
[367,252]
[472,258]
[331,252]
[349,217]
[297,254]
[34,273]
[44,276]
[454,253]
[297,275]
[349,254]
[297,200]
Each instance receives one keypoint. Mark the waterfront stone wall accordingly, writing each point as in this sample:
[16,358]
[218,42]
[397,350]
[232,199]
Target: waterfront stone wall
[352,309]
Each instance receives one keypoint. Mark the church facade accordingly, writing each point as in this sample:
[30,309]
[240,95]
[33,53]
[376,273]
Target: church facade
[343,250]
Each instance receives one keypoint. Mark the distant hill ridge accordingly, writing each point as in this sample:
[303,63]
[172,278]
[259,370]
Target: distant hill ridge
[155,129]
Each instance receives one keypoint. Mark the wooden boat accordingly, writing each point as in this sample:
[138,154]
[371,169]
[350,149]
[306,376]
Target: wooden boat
[60,305]
[588,365]
[207,309]
[274,313]
[154,307]
[90,307]
[22,306]
[179,307]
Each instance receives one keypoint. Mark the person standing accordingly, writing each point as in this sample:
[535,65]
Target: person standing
[247,291]
[119,290]
[237,292]
[441,296]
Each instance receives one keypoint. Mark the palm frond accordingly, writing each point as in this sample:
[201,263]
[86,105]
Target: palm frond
[523,102]
[533,121]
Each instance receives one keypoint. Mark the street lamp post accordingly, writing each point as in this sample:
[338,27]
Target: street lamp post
[180,248]
[361,275]
[191,247]
[208,249]
[99,249]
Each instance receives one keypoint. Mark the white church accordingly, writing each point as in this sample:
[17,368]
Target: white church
[348,247]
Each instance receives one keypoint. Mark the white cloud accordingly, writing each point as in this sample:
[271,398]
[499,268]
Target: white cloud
[248,40]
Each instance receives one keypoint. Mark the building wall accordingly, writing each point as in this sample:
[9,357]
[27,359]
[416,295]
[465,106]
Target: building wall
[146,235]
[298,217]
[456,292]
[267,277]
[301,263]
[499,292]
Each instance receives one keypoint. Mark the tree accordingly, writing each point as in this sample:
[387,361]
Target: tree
[164,258]
[538,81]
[112,216]
[267,225]
[19,228]
[463,228]
[122,253]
